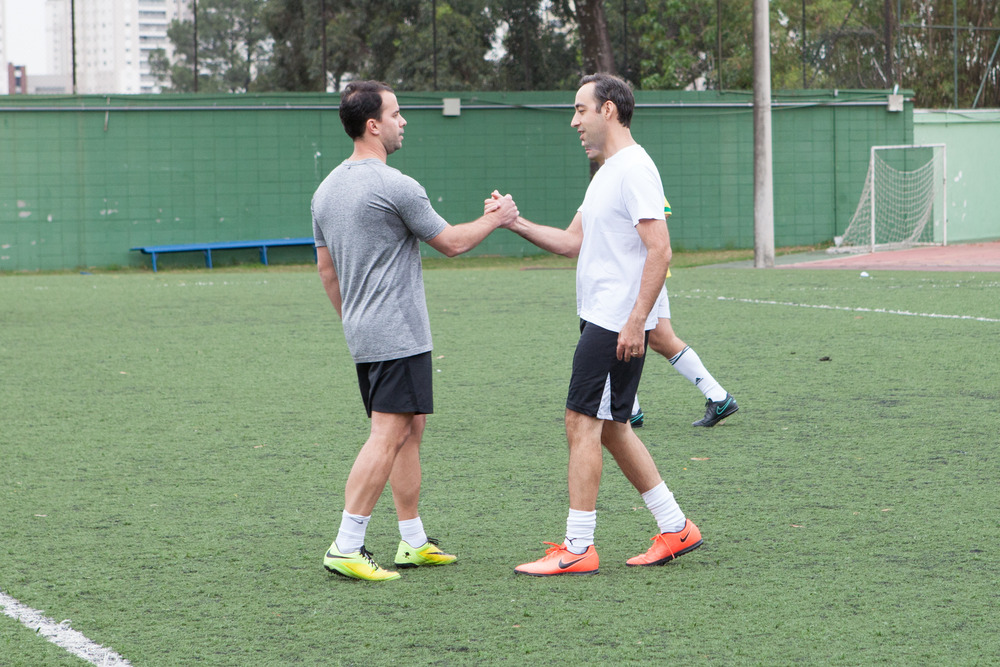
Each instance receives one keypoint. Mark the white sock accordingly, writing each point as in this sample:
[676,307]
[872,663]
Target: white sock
[635,405]
[665,509]
[580,528]
[351,536]
[412,532]
[689,365]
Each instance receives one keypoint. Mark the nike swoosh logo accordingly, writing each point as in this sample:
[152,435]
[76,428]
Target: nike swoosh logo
[332,555]
[722,408]
[686,535]
[563,564]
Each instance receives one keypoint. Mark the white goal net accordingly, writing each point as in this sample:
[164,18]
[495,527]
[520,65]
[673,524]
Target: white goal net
[903,202]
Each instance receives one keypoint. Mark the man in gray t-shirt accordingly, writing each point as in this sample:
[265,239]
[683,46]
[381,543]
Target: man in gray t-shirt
[368,220]
[371,217]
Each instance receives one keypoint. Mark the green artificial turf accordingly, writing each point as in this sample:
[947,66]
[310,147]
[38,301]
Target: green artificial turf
[174,448]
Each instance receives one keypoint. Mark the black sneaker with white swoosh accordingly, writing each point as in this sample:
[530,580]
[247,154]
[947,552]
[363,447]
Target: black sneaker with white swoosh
[716,411]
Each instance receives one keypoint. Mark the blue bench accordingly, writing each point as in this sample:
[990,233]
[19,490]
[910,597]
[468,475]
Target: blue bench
[207,248]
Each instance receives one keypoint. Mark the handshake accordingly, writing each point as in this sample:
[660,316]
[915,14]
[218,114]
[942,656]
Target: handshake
[502,209]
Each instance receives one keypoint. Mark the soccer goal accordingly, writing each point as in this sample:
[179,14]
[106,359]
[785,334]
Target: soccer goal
[903,202]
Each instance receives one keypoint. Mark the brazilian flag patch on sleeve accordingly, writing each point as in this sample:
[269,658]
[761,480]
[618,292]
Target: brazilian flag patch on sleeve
[666,214]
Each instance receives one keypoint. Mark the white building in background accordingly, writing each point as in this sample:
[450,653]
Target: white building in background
[114,39]
[3,48]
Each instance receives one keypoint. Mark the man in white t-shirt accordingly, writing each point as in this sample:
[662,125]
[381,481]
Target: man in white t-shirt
[620,235]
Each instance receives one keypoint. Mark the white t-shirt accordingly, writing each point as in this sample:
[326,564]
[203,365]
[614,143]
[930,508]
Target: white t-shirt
[625,190]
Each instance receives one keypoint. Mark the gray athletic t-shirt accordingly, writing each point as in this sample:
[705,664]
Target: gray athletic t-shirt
[371,217]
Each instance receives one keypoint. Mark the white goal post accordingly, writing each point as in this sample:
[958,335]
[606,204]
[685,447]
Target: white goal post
[903,203]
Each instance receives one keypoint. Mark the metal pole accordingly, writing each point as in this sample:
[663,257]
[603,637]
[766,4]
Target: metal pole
[954,32]
[944,193]
[434,30]
[804,85]
[718,39]
[625,37]
[899,33]
[986,74]
[194,4]
[871,195]
[763,175]
[887,32]
[322,23]
[72,32]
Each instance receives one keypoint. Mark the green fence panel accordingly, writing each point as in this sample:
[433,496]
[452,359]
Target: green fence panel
[84,179]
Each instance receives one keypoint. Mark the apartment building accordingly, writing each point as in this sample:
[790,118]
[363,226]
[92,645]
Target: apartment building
[4,85]
[113,38]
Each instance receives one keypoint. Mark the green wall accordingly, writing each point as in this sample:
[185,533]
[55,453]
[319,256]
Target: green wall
[973,153]
[84,179]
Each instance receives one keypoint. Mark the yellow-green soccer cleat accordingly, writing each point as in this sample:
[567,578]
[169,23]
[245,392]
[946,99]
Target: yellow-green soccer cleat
[429,554]
[357,565]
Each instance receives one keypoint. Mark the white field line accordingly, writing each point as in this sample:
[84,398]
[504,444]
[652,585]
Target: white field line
[882,311]
[61,634]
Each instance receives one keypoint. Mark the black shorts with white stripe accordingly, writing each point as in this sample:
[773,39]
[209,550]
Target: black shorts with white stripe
[602,386]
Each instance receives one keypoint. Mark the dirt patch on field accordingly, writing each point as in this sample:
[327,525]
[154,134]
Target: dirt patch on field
[961,257]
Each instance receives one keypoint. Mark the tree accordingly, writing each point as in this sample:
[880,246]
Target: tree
[595,42]
[677,46]
[458,59]
[926,60]
[233,48]
[540,46]
[843,45]
[296,60]
[832,44]
[548,44]
[680,43]
[389,40]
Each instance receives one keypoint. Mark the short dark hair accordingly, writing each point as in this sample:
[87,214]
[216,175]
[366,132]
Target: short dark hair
[613,88]
[361,101]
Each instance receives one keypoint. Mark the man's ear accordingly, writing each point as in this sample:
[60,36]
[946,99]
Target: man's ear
[372,125]
[609,110]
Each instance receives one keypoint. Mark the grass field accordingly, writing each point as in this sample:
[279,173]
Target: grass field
[173,451]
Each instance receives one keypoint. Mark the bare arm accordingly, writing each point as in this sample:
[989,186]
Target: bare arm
[656,238]
[456,239]
[564,242]
[328,275]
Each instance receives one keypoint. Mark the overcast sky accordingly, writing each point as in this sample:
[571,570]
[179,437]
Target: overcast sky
[25,30]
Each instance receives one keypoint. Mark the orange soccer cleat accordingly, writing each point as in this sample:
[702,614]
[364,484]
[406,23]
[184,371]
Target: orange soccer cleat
[668,546]
[560,560]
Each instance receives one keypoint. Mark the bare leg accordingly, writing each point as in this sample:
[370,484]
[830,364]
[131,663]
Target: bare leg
[405,476]
[631,455]
[585,460]
[375,461]
[664,341]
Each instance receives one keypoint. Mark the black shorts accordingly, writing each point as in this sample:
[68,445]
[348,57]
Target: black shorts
[397,385]
[602,386]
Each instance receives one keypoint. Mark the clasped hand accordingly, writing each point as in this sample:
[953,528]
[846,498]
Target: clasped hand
[503,205]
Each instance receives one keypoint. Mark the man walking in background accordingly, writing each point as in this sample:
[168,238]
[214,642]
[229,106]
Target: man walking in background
[368,220]
[719,403]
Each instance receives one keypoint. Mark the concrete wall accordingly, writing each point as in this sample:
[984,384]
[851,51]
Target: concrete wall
[973,151]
